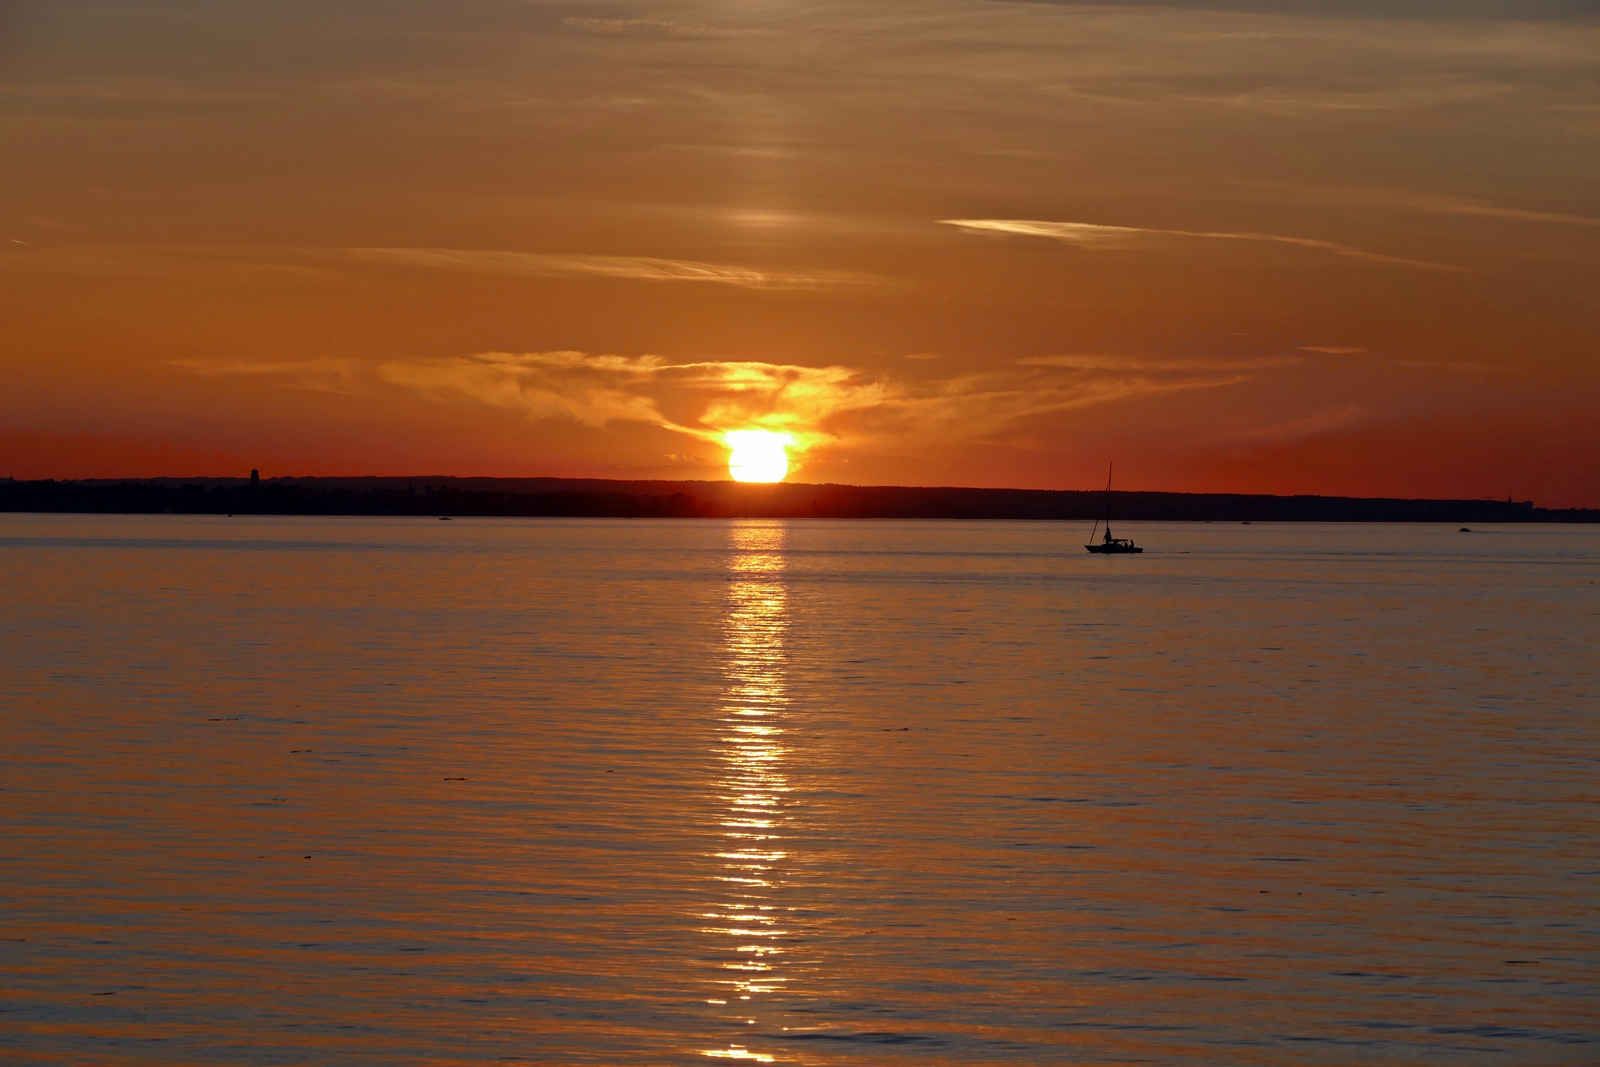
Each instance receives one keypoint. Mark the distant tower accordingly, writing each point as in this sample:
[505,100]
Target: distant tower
[255,479]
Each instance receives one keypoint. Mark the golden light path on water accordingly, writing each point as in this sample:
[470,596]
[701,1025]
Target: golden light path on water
[747,922]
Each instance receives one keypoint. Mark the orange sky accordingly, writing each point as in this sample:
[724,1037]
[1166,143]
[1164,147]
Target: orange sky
[1282,246]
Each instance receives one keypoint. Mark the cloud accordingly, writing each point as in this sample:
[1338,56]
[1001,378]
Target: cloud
[1434,203]
[980,406]
[316,375]
[658,28]
[701,399]
[818,406]
[165,261]
[636,268]
[1332,350]
[1408,94]
[199,261]
[1313,425]
[1093,235]
[1147,364]
[1373,9]
[1463,206]
[138,90]
[1467,367]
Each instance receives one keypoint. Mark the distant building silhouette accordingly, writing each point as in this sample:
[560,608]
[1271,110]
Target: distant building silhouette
[255,479]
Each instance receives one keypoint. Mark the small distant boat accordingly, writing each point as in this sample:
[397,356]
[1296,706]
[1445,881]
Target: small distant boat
[1111,545]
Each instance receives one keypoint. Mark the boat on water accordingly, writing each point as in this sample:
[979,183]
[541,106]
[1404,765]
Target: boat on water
[1111,545]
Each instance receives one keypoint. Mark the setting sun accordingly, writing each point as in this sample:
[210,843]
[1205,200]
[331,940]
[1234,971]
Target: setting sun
[758,455]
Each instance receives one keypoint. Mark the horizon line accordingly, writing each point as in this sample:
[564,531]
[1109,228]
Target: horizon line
[758,486]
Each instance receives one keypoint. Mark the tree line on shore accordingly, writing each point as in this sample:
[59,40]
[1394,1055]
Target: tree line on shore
[551,497]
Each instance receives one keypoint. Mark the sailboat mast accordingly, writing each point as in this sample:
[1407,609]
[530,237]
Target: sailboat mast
[1109,466]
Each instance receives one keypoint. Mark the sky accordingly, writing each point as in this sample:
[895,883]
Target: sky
[1281,246]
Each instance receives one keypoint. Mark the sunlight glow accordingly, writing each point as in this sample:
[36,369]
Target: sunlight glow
[737,1052]
[758,455]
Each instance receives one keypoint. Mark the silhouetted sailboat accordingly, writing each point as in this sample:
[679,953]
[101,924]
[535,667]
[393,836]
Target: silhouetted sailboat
[1111,544]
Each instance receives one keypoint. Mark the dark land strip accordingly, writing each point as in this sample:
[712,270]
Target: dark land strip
[595,498]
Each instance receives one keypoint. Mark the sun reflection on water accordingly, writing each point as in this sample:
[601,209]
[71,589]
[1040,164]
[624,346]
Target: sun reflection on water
[747,921]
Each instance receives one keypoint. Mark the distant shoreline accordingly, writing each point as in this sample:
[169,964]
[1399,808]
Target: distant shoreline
[599,498]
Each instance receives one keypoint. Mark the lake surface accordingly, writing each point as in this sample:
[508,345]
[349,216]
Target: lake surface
[369,791]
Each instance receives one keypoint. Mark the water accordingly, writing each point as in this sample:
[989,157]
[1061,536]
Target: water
[366,791]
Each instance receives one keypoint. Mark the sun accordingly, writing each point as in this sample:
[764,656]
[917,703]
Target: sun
[758,455]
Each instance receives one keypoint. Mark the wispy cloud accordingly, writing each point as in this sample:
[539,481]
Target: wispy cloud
[985,405]
[701,399]
[1094,235]
[1157,364]
[198,260]
[1414,95]
[1448,367]
[637,268]
[1314,424]
[659,28]
[137,90]
[316,375]
[166,261]
[1432,203]
[819,406]
[1332,350]
[1350,10]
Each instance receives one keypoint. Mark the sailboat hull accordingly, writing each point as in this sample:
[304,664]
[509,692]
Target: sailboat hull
[1111,546]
